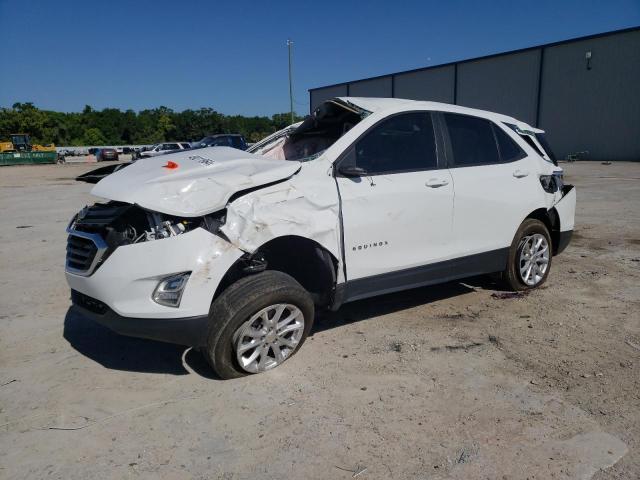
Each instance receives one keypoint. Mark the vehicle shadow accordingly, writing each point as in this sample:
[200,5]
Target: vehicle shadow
[118,352]
[393,302]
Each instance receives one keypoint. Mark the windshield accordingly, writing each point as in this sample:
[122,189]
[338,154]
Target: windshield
[309,139]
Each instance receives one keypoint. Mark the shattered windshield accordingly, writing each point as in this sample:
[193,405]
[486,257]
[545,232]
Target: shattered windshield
[310,139]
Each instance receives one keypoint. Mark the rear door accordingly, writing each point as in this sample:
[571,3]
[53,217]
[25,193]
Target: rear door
[398,215]
[496,183]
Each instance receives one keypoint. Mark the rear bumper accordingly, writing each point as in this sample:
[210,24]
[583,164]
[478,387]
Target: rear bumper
[566,210]
[191,331]
[564,238]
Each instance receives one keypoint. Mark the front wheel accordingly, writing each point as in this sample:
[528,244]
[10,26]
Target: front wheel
[529,256]
[257,324]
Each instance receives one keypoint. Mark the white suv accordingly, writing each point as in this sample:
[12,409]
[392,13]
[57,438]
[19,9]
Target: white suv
[231,251]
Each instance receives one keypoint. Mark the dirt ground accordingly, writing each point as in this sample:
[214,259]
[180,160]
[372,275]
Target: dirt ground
[434,383]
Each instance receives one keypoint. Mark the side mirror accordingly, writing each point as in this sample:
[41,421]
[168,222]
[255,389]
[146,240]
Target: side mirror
[352,171]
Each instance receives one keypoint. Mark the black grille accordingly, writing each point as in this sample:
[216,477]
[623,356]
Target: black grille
[91,304]
[100,215]
[80,253]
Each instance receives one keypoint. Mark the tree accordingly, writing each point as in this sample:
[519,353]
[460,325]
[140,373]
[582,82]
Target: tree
[111,126]
[93,136]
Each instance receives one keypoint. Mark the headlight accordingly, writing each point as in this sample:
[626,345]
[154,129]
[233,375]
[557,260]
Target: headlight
[169,290]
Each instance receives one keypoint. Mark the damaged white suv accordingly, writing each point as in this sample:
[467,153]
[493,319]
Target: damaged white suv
[232,251]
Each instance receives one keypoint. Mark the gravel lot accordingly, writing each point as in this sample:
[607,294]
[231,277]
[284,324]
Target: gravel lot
[434,383]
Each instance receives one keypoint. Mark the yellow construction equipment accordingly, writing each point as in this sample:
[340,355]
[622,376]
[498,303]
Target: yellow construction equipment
[21,142]
[20,151]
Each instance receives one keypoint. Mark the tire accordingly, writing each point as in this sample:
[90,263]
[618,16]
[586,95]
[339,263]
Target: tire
[515,275]
[238,310]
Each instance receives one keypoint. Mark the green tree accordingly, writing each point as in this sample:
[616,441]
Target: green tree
[112,126]
[94,136]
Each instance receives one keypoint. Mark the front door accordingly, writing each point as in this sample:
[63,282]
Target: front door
[397,213]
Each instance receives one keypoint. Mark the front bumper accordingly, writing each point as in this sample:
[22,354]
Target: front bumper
[191,331]
[126,280]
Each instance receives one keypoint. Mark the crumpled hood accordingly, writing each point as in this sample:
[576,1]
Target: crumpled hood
[202,182]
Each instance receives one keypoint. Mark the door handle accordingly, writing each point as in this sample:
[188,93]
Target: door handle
[520,173]
[437,182]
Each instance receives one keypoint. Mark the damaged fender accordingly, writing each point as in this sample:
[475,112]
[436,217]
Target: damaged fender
[306,205]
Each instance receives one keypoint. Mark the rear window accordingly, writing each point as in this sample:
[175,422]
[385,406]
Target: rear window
[472,140]
[510,151]
[542,138]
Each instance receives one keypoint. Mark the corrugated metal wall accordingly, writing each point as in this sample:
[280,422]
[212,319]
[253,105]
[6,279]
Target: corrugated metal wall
[598,109]
[322,94]
[379,87]
[591,106]
[507,84]
[435,84]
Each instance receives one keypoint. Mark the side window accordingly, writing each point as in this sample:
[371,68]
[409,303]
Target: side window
[472,140]
[399,144]
[510,151]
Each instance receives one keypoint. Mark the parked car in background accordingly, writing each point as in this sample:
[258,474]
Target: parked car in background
[105,154]
[233,251]
[162,148]
[232,140]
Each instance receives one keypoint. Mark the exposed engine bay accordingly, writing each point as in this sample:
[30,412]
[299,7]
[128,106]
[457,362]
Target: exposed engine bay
[119,224]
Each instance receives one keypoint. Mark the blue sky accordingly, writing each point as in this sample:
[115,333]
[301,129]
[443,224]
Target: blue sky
[232,56]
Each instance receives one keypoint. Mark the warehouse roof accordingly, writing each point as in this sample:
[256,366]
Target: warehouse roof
[562,42]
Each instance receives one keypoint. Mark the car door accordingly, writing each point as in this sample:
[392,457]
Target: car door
[496,185]
[396,199]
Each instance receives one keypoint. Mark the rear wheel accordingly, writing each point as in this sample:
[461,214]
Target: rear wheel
[529,256]
[257,324]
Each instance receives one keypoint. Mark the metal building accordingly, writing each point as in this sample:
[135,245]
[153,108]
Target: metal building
[584,92]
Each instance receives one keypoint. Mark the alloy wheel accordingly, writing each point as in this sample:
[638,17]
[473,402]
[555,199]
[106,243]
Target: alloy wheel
[269,337]
[534,259]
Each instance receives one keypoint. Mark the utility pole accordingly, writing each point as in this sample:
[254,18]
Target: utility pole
[290,45]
